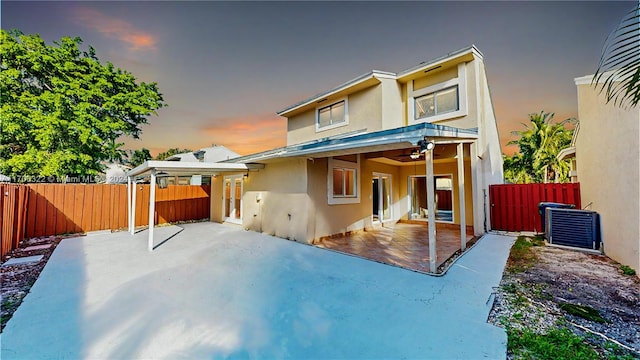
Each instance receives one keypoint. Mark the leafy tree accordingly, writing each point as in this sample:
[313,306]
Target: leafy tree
[539,145]
[114,153]
[620,62]
[62,109]
[139,156]
[171,152]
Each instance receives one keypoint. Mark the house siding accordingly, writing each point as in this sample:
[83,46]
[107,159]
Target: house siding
[607,155]
[364,111]
[276,202]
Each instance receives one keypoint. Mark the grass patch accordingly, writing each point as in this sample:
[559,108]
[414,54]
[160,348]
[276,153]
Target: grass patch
[521,256]
[556,344]
[583,311]
[627,270]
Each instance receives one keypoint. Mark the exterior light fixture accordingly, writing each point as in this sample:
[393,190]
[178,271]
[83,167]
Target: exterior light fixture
[426,145]
[414,155]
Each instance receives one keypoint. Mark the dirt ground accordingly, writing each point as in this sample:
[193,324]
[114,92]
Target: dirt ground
[532,298]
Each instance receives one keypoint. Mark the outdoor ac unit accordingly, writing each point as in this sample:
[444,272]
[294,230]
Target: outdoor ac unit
[570,227]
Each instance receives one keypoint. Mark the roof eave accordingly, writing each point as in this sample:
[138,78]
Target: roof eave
[374,74]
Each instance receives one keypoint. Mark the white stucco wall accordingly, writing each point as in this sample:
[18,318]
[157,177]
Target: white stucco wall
[608,162]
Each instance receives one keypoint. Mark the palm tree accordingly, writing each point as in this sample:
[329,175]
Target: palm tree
[539,145]
[620,62]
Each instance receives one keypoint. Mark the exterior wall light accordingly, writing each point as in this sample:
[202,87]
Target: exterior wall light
[426,145]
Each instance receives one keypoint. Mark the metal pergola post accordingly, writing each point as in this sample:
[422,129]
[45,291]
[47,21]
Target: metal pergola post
[152,208]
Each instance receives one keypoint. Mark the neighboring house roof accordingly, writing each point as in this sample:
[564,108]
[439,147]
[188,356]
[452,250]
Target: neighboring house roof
[210,155]
[379,140]
[4,178]
[372,77]
[570,151]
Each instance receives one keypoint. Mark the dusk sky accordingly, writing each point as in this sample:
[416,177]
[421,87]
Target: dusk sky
[226,68]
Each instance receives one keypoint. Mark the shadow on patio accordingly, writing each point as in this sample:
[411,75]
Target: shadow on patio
[403,244]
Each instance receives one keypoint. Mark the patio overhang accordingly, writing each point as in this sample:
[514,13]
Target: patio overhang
[153,168]
[391,139]
[186,168]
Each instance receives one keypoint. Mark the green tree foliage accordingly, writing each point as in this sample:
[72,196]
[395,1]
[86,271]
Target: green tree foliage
[539,145]
[139,156]
[619,65]
[62,109]
[171,152]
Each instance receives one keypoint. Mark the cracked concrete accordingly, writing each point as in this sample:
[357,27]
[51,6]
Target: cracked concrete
[216,291]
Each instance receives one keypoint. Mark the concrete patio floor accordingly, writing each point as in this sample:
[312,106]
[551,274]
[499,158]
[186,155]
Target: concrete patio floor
[400,244]
[215,291]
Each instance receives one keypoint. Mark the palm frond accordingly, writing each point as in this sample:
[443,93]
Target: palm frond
[620,63]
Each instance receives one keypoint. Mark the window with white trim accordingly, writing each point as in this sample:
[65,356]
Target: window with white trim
[343,181]
[331,116]
[437,102]
[441,101]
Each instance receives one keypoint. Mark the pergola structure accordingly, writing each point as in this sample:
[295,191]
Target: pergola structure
[153,169]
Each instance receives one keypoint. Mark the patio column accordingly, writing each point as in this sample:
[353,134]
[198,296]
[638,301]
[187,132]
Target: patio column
[129,203]
[431,210]
[461,197]
[152,208]
[133,207]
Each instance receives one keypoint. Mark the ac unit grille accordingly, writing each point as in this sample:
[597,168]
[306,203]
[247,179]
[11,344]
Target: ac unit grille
[570,227]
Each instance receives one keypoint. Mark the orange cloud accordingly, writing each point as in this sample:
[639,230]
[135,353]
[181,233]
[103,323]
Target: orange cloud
[248,134]
[115,28]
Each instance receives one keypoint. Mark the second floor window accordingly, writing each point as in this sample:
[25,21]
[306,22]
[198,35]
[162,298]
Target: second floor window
[437,102]
[334,114]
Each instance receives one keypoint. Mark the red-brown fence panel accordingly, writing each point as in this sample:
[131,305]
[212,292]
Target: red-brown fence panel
[13,212]
[514,207]
[56,209]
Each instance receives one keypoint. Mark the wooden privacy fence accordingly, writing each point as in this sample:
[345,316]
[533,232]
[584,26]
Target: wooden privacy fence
[514,207]
[13,201]
[55,209]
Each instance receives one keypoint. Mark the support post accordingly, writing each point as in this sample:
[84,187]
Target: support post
[133,207]
[152,208]
[431,209]
[461,197]
[129,203]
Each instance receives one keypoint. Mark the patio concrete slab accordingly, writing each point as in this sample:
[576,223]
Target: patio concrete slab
[215,291]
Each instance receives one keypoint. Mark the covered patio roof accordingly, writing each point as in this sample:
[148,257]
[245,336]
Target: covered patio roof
[186,168]
[352,143]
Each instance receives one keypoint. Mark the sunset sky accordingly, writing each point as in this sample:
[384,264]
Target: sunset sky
[226,68]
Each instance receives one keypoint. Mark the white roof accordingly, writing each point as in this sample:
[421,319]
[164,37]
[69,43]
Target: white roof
[211,155]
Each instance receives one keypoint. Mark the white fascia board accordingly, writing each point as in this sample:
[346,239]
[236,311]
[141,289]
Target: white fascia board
[188,167]
[435,62]
[588,79]
[345,86]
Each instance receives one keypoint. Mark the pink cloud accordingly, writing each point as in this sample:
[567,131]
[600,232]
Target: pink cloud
[248,134]
[115,28]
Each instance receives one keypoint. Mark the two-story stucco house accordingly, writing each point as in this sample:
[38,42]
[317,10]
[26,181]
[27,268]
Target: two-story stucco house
[420,145]
[353,162]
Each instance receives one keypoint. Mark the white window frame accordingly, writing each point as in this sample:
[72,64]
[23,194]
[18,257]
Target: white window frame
[381,219]
[338,200]
[460,82]
[332,126]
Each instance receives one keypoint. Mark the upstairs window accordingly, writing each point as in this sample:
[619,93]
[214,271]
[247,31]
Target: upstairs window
[437,102]
[331,116]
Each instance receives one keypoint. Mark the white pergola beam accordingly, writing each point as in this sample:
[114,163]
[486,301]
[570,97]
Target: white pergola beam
[461,197]
[431,209]
[133,207]
[129,203]
[152,208]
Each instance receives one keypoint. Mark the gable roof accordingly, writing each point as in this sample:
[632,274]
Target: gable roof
[397,138]
[371,78]
[211,154]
